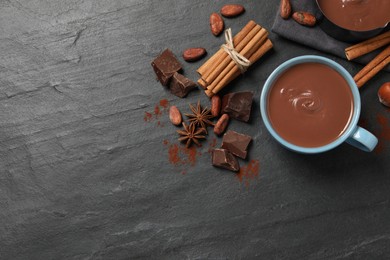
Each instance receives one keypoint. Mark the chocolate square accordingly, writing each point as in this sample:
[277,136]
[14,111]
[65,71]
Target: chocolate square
[180,85]
[165,65]
[238,105]
[236,143]
[224,159]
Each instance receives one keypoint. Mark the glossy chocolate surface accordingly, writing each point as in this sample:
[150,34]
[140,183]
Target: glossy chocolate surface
[357,15]
[310,105]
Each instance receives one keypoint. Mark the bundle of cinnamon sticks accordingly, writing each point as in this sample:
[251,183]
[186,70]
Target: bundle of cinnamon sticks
[251,42]
[377,64]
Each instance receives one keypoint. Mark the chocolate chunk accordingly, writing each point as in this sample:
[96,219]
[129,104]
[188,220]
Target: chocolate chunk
[165,65]
[236,143]
[180,85]
[238,105]
[224,159]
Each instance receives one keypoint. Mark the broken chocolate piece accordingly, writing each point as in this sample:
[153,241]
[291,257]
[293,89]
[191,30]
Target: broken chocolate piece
[224,159]
[180,85]
[238,105]
[236,143]
[165,65]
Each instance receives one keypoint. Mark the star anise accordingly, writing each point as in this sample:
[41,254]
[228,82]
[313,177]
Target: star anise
[191,134]
[200,117]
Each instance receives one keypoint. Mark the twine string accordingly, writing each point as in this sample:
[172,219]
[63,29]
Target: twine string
[241,62]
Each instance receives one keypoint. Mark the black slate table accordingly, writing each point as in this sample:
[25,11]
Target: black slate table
[91,167]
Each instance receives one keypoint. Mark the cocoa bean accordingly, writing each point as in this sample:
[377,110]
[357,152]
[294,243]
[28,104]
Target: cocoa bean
[216,24]
[216,105]
[232,10]
[221,124]
[175,115]
[285,9]
[304,18]
[193,54]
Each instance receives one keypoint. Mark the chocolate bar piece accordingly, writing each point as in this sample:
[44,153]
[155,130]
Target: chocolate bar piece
[224,159]
[180,85]
[236,143]
[165,65]
[238,105]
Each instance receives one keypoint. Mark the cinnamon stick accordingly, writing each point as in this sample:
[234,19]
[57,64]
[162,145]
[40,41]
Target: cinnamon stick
[202,83]
[236,40]
[235,72]
[373,67]
[367,46]
[248,50]
[225,58]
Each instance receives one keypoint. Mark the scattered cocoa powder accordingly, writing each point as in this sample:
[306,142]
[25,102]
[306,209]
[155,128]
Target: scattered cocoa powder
[184,158]
[160,108]
[248,172]
[383,134]
[173,154]
[192,154]
[147,117]
[212,145]
[157,111]
[179,155]
[164,103]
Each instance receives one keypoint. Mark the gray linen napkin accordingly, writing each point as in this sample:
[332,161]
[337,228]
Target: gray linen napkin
[314,37]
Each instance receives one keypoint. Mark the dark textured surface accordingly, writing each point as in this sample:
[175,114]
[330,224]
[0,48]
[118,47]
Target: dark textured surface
[86,172]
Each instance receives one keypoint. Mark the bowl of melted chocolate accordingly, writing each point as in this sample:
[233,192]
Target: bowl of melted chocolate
[310,104]
[354,20]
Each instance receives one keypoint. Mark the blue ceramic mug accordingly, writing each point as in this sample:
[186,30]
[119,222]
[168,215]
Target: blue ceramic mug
[353,134]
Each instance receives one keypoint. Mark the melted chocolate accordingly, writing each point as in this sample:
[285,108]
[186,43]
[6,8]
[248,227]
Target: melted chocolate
[310,105]
[357,15]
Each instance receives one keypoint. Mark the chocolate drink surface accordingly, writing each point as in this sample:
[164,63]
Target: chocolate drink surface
[357,15]
[310,105]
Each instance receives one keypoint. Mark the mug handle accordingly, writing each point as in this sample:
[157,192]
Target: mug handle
[362,139]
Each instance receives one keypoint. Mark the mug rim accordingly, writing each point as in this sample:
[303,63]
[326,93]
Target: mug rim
[316,59]
[352,30]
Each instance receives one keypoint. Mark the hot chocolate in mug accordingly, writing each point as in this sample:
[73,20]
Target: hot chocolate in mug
[311,104]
